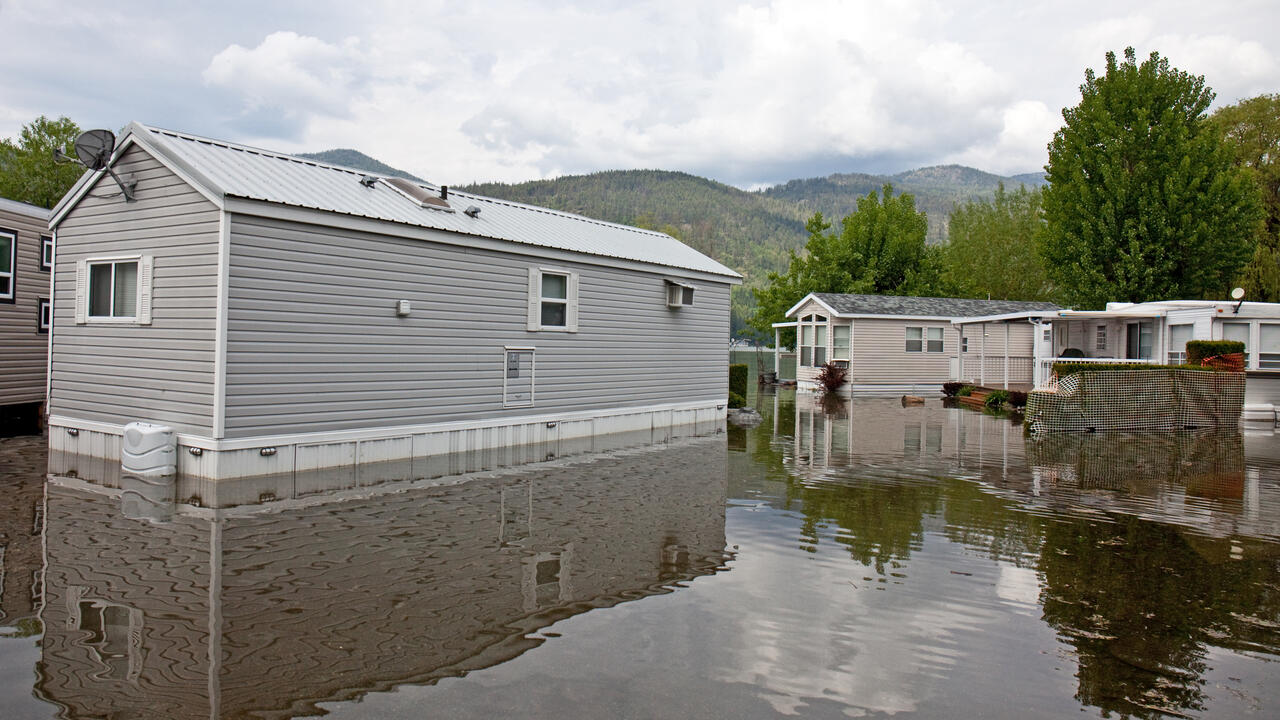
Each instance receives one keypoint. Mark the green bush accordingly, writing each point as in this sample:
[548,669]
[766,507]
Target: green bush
[738,373]
[736,400]
[965,391]
[996,399]
[1198,350]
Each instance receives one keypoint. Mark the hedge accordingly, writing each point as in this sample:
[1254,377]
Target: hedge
[738,373]
[1198,350]
[1067,368]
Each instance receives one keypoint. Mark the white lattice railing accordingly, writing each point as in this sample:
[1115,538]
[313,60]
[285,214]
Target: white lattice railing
[991,369]
[1044,367]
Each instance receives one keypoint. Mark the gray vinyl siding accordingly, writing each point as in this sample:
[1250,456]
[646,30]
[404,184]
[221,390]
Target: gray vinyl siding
[162,372]
[314,343]
[23,348]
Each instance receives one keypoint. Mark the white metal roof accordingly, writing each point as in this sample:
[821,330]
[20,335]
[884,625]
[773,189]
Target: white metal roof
[228,170]
[22,208]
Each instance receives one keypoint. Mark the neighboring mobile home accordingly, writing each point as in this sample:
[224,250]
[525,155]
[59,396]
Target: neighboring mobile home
[893,344]
[26,255]
[1157,332]
[283,314]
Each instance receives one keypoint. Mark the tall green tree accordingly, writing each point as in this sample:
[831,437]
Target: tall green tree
[1252,129]
[879,250]
[27,171]
[1144,201]
[994,248]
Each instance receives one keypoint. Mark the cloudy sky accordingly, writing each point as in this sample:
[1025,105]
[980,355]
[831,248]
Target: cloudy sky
[749,93]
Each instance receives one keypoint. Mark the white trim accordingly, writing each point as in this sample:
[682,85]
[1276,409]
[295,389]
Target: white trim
[43,266]
[220,326]
[48,353]
[137,318]
[207,443]
[536,299]
[806,299]
[13,265]
[1025,315]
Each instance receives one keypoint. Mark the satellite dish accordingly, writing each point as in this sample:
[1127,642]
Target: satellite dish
[94,148]
[1237,293]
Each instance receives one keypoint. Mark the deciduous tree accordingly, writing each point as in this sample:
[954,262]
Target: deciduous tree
[880,249]
[1252,129]
[27,171]
[1144,201]
[994,248]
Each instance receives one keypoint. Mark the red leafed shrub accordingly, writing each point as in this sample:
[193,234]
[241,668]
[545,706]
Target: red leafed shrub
[832,377]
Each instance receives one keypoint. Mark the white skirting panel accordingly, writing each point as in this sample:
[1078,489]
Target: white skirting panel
[383,454]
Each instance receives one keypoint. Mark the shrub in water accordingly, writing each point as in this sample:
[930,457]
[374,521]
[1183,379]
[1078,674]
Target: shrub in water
[832,376]
[951,388]
[738,373]
[964,391]
[997,399]
[736,400]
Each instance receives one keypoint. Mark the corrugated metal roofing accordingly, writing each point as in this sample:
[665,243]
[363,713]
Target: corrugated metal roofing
[22,208]
[243,172]
[927,307]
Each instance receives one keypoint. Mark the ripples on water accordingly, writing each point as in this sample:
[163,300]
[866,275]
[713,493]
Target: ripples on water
[858,558]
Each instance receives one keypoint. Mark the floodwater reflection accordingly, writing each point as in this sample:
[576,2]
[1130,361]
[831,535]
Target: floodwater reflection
[843,558]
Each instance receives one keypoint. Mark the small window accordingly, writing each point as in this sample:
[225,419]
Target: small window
[553,300]
[1048,334]
[8,263]
[113,289]
[840,342]
[964,344]
[1101,343]
[924,339]
[46,252]
[935,340]
[44,315]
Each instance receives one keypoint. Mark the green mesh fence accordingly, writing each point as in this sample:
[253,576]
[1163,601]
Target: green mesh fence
[1152,399]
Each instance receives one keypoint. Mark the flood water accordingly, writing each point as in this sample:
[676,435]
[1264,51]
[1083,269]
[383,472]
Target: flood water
[846,559]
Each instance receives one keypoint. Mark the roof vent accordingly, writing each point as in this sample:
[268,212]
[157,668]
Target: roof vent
[472,211]
[368,181]
[444,192]
[418,194]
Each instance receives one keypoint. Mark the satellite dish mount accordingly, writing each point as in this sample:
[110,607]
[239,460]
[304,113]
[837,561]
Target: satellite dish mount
[93,150]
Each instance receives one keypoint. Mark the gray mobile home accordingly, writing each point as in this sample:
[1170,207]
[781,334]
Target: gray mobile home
[26,254]
[283,314]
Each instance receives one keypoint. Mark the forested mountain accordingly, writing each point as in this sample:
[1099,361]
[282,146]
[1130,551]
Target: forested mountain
[751,232]
[937,190]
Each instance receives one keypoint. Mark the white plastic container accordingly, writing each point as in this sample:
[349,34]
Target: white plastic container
[149,450]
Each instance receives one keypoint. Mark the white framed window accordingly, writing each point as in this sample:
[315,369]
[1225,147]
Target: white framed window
[924,339]
[1268,346]
[44,315]
[114,290]
[8,264]
[517,377]
[46,253]
[1100,342]
[1178,337]
[553,300]
[840,345]
[813,341]
[964,344]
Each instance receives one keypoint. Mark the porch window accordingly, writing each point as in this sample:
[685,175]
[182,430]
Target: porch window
[813,340]
[806,341]
[1178,337]
[819,345]
[1269,346]
[1239,332]
[1101,342]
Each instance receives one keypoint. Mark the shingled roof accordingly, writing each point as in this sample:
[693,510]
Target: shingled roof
[926,306]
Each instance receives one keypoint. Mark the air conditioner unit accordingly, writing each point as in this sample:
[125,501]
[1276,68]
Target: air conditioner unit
[679,294]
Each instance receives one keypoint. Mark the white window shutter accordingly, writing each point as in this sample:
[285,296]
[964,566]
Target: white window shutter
[535,301]
[145,267]
[82,292]
[571,313]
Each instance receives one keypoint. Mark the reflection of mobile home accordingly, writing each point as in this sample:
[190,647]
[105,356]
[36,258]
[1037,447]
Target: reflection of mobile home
[283,314]
[266,611]
[26,256]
